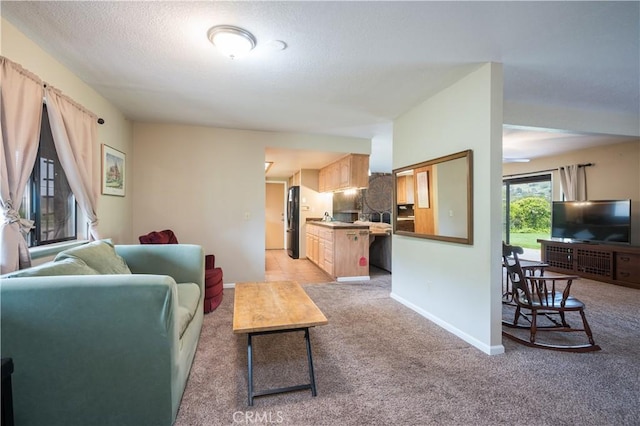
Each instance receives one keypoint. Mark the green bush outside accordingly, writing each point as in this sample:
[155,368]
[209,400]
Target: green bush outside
[528,239]
[530,219]
[530,214]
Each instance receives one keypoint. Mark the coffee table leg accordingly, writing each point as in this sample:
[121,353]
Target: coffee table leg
[250,362]
[312,377]
[310,359]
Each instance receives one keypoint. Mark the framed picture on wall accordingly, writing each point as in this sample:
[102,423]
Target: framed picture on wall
[113,171]
[423,190]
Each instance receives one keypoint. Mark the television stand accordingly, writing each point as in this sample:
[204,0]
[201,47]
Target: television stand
[615,264]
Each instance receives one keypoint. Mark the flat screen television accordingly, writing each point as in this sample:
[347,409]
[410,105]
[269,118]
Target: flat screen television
[592,221]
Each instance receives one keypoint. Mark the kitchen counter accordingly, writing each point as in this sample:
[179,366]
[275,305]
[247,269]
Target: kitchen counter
[373,228]
[337,225]
[379,242]
[339,248]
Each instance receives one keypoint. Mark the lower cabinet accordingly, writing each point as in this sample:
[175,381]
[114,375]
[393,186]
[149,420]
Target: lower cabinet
[312,246]
[616,264]
[351,253]
[342,253]
[627,270]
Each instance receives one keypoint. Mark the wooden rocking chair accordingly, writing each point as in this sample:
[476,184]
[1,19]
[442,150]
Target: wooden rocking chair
[541,296]
[529,267]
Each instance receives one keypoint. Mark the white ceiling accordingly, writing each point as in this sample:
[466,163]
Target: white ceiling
[350,67]
[530,143]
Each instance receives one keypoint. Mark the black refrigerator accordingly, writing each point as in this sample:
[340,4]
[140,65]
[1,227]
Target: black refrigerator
[293,222]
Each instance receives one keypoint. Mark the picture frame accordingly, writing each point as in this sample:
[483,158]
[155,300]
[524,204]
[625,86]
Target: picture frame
[423,190]
[113,171]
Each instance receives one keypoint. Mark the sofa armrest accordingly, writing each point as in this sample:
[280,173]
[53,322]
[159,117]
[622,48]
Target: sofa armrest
[95,347]
[182,262]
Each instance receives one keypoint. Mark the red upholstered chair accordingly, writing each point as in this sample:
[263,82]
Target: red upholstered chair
[212,275]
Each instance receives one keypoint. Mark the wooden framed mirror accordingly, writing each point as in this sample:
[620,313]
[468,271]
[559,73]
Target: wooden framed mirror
[434,199]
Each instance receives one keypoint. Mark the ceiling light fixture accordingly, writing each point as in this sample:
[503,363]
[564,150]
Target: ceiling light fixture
[515,160]
[233,42]
[267,165]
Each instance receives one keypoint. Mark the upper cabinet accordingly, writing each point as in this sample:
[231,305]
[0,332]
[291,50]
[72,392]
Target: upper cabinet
[295,179]
[405,189]
[329,177]
[349,172]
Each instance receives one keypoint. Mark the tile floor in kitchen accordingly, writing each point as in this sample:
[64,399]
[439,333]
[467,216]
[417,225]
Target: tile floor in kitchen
[280,267]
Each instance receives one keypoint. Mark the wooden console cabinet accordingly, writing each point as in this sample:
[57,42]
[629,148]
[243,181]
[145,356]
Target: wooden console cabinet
[616,264]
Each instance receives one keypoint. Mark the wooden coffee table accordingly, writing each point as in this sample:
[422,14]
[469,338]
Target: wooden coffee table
[275,307]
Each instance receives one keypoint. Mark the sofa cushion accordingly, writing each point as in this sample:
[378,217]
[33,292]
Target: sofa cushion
[99,255]
[69,266]
[188,303]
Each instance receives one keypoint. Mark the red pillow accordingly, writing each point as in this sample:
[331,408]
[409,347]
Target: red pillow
[163,237]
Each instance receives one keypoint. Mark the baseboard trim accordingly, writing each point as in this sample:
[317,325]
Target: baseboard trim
[351,279]
[489,350]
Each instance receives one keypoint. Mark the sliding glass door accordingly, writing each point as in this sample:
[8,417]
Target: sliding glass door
[526,213]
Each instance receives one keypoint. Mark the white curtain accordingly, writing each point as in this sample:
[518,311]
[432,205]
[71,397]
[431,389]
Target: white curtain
[75,133]
[573,181]
[20,116]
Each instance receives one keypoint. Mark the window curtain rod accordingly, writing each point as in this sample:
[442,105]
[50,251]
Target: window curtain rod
[544,171]
[99,120]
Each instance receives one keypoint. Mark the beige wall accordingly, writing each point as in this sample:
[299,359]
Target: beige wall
[114,213]
[207,184]
[455,285]
[615,174]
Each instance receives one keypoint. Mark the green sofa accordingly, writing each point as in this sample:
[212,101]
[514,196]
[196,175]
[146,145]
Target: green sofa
[103,335]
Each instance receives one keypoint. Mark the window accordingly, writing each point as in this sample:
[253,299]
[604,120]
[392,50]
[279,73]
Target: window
[526,215]
[48,199]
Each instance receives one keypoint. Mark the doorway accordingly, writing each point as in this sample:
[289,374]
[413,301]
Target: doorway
[274,215]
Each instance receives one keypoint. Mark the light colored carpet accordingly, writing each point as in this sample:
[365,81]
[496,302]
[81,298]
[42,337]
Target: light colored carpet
[377,362]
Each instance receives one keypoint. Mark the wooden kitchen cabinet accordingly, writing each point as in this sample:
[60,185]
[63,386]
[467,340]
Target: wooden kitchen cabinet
[345,173]
[340,249]
[325,250]
[351,253]
[333,176]
[322,180]
[312,243]
[405,189]
[351,171]
[295,179]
